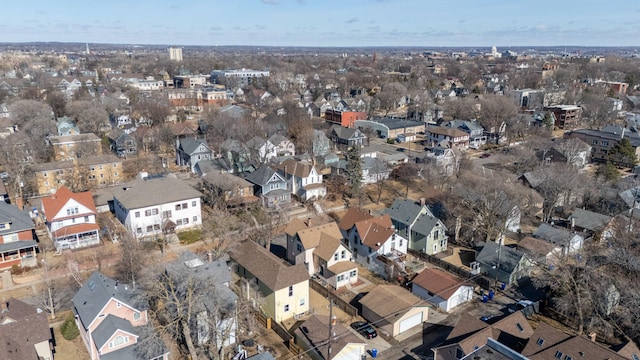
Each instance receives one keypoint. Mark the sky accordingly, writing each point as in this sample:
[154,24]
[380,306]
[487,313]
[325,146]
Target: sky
[348,23]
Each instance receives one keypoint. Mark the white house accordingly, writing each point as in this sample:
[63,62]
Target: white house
[71,219]
[153,205]
[441,289]
[303,179]
[321,251]
[377,246]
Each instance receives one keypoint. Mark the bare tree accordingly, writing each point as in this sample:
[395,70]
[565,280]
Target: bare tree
[495,112]
[90,116]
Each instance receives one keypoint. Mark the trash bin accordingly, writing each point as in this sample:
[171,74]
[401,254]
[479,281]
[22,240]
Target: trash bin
[502,286]
[374,352]
[485,298]
[491,294]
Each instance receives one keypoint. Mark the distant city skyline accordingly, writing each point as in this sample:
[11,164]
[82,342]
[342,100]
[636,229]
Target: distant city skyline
[331,23]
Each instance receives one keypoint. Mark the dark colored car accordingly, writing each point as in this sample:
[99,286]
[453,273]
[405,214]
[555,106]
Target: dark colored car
[486,317]
[365,329]
[485,155]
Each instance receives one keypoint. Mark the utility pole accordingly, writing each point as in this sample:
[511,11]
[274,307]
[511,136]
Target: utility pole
[330,329]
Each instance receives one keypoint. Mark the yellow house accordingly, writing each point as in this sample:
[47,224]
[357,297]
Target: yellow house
[79,174]
[281,290]
[67,147]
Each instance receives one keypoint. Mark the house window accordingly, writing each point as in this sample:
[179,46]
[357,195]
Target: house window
[519,326]
[72,211]
[335,257]
[567,357]
[343,254]
[156,226]
[185,221]
[286,308]
[166,214]
[594,142]
[299,247]
[136,316]
[195,219]
[459,354]
[154,211]
[353,273]
[147,213]
[540,341]
[177,206]
[193,203]
[86,219]
[290,290]
[400,242]
[558,355]
[605,143]
[137,214]
[185,205]
[340,278]
[302,302]
[118,340]
[149,228]
[179,222]
[118,304]
[139,230]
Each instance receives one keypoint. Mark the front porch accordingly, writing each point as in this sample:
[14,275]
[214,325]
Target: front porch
[75,241]
[21,253]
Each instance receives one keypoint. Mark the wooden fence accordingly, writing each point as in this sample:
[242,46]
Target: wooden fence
[337,301]
[480,280]
[286,336]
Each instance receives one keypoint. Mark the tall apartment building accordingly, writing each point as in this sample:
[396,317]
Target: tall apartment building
[567,116]
[175,54]
[245,76]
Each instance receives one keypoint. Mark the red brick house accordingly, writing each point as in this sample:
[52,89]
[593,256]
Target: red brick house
[17,244]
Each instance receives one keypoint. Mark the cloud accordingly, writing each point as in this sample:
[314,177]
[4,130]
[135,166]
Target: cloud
[352,20]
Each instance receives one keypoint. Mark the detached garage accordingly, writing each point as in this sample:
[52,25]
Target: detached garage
[393,309]
[441,289]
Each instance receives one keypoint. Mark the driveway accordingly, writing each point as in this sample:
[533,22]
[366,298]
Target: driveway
[378,342]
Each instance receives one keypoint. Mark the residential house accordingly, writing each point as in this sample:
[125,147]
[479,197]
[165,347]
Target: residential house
[123,143]
[572,151]
[17,244]
[372,168]
[303,179]
[69,147]
[350,218]
[569,241]
[312,336]
[547,342]
[321,144]
[447,137]
[502,263]
[376,245]
[228,190]
[110,317]
[139,208]
[415,222]
[86,173]
[441,289]
[189,152]
[66,126]
[540,251]
[282,290]
[444,160]
[344,138]
[477,138]
[71,219]
[24,332]
[270,187]
[321,251]
[591,223]
[469,334]
[281,145]
[393,309]
[218,307]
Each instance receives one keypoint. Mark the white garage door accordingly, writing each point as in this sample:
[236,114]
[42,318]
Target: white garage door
[408,323]
[353,354]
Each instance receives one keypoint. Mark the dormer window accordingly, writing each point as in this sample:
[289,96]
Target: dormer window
[540,341]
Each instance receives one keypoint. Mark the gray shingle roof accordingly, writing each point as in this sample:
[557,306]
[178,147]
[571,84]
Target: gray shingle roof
[19,220]
[262,175]
[189,146]
[142,193]
[553,235]
[509,257]
[405,211]
[589,220]
[108,327]
[96,292]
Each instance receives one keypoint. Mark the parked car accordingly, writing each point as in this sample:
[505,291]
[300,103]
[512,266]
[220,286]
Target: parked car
[365,329]
[486,317]
[4,175]
[520,305]
[485,155]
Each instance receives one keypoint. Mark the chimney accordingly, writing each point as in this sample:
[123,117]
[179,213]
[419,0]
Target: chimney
[423,201]
[593,336]
[573,222]
[19,202]
[308,222]
[3,306]
[210,256]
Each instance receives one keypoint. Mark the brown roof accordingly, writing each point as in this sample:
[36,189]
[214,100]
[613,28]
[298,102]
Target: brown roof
[54,203]
[21,328]
[352,216]
[316,331]
[296,168]
[438,282]
[544,337]
[536,246]
[466,325]
[342,266]
[296,225]
[386,300]
[628,349]
[509,324]
[326,247]
[267,267]
[375,231]
[310,238]
[577,347]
